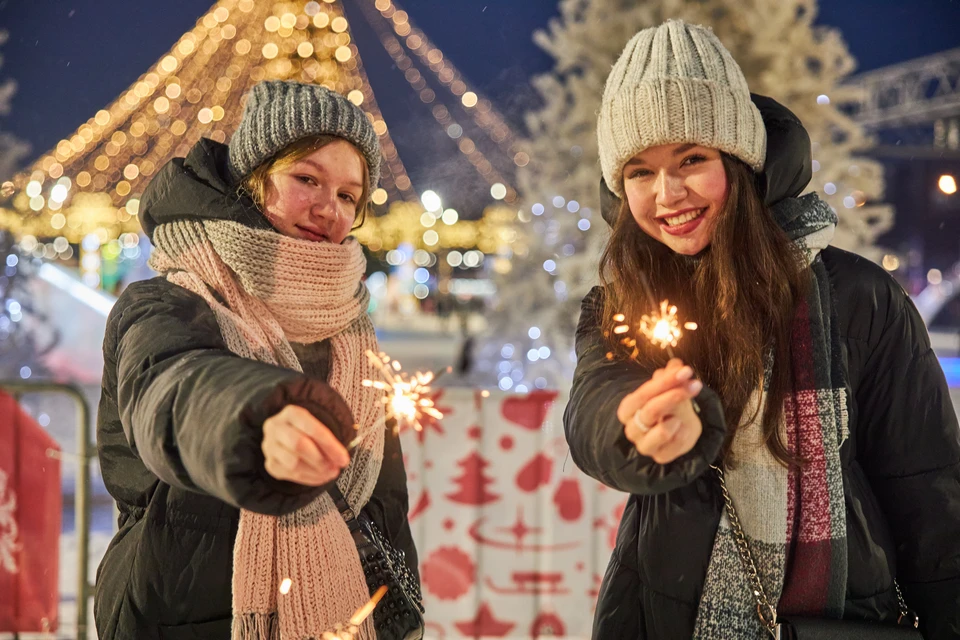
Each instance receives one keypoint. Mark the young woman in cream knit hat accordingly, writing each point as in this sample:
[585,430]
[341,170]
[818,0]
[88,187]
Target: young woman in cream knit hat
[232,384]
[808,399]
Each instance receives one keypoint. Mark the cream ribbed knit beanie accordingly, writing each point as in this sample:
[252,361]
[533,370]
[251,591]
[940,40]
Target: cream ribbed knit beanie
[676,83]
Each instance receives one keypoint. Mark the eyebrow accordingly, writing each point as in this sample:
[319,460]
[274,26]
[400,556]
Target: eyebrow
[676,152]
[323,170]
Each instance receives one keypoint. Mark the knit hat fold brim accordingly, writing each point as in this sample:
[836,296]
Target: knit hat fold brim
[673,111]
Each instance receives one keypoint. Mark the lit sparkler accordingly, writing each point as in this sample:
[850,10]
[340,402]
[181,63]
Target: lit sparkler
[662,328]
[407,397]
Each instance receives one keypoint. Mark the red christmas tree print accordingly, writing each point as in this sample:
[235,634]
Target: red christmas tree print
[484,625]
[448,573]
[473,483]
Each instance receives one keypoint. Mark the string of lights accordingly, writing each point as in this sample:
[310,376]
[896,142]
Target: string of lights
[395,177]
[500,188]
[89,184]
[481,109]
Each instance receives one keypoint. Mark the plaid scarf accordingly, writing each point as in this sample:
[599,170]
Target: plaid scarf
[266,291]
[794,519]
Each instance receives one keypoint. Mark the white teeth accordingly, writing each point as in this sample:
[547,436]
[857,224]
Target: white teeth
[687,217]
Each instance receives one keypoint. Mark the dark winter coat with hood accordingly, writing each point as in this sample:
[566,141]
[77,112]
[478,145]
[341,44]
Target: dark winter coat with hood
[900,464]
[179,432]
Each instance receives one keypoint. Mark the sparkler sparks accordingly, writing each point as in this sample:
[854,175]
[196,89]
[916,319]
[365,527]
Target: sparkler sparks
[406,396]
[662,328]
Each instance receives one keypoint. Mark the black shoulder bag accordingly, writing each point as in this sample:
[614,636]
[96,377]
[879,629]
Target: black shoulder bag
[812,628]
[399,615]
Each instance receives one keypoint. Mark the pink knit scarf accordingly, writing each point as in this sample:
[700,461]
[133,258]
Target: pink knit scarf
[268,290]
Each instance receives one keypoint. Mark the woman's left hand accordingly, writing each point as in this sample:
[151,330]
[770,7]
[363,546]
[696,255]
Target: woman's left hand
[659,418]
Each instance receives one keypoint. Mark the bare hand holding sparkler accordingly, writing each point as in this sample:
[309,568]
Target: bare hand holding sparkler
[659,417]
[299,448]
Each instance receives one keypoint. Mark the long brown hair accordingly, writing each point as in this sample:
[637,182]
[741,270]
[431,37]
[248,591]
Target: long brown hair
[255,185]
[743,291]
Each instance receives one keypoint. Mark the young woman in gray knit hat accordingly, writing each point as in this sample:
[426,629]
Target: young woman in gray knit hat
[233,383]
[798,462]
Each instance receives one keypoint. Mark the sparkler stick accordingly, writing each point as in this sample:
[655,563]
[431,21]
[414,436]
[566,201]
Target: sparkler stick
[349,630]
[661,328]
[363,612]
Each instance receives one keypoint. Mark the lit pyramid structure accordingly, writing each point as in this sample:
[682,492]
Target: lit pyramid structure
[89,186]
[91,182]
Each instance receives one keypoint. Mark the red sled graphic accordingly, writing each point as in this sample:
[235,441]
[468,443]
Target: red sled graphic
[531,583]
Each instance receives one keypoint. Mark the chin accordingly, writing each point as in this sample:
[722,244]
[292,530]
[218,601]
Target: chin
[686,248]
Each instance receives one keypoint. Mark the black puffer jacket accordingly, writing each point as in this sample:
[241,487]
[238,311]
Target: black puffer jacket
[901,463]
[179,432]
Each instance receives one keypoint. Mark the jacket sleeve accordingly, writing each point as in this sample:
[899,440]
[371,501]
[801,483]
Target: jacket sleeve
[193,411]
[909,446]
[596,438]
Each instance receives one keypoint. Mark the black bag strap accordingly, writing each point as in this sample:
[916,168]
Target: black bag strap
[346,511]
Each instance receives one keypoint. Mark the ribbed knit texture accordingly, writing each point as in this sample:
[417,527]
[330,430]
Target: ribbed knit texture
[275,290]
[672,84]
[794,519]
[280,112]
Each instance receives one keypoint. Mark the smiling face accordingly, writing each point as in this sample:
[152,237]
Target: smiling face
[676,193]
[316,195]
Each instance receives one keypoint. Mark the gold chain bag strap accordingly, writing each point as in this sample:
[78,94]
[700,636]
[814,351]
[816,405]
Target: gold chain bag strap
[803,628]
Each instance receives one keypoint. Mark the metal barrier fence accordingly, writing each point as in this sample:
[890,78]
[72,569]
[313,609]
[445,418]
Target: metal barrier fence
[84,454]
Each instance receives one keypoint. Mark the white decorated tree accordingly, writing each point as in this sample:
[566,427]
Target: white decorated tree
[12,149]
[22,343]
[783,54]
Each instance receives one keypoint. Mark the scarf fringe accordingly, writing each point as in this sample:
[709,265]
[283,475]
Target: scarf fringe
[256,626]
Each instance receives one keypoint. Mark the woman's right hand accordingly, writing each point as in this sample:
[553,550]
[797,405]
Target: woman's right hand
[299,448]
[659,418]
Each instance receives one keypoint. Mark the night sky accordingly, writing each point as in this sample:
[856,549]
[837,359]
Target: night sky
[73,57]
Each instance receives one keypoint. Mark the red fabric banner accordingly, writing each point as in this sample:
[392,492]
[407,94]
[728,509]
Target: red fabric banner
[513,539]
[30,515]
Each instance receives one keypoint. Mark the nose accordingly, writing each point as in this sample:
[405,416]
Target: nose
[325,206]
[670,189]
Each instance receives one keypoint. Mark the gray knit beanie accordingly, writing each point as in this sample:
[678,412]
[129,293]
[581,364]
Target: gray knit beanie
[280,112]
[676,83]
